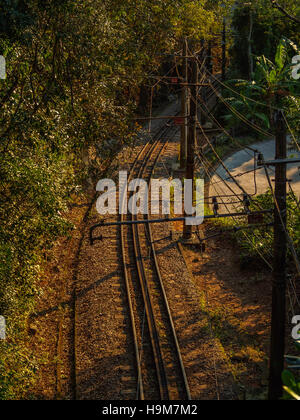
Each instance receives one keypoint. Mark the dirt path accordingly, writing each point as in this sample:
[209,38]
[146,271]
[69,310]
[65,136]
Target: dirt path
[241,166]
[238,303]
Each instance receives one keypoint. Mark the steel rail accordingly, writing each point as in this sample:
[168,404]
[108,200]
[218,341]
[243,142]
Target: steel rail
[143,280]
[162,287]
[151,320]
[146,151]
[160,362]
[140,389]
[145,154]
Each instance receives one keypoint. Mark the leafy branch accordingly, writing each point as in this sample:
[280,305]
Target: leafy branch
[282,10]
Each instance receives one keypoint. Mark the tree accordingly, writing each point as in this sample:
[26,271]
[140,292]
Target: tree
[282,10]
[268,27]
[272,87]
[74,71]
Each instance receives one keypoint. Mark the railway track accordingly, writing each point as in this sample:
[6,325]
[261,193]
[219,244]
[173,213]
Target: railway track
[160,372]
[155,368]
[138,347]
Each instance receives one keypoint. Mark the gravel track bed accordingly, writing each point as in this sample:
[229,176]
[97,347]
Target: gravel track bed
[202,355]
[86,330]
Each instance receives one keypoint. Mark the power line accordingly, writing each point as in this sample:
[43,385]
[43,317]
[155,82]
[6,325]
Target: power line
[246,236]
[292,134]
[289,239]
[213,119]
[241,116]
[229,173]
[241,95]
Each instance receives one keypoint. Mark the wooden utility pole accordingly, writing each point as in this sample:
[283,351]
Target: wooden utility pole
[210,66]
[280,257]
[224,51]
[250,56]
[184,108]
[203,60]
[192,132]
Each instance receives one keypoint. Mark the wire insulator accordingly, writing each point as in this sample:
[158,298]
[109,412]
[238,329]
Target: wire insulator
[216,205]
[260,159]
[247,203]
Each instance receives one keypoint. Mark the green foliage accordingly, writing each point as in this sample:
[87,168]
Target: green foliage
[272,87]
[74,76]
[259,241]
[291,382]
[269,26]
[15,17]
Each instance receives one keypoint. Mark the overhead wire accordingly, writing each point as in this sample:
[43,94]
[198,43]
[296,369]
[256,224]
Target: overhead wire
[293,194]
[258,103]
[291,132]
[240,94]
[240,116]
[246,121]
[217,80]
[204,158]
[292,286]
[224,182]
[289,239]
[291,245]
[255,203]
[230,175]
[221,161]
[213,119]
[248,239]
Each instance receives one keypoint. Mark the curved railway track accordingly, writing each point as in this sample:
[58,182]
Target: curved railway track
[157,371]
[160,370]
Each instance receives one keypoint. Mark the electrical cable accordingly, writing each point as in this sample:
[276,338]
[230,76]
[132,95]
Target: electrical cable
[241,116]
[289,239]
[226,169]
[219,176]
[244,233]
[213,118]
[241,95]
[290,130]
